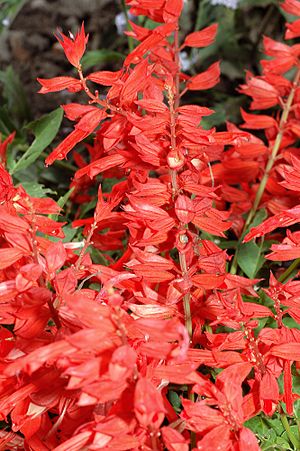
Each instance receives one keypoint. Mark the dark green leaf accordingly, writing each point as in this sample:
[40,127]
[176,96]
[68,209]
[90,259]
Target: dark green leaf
[174,400]
[268,430]
[283,444]
[260,3]
[230,244]
[249,259]
[45,130]
[295,432]
[95,57]
[69,232]
[6,124]
[88,207]
[14,95]
[62,202]
[204,14]
[257,425]
[290,323]
[36,190]
[219,117]
[260,216]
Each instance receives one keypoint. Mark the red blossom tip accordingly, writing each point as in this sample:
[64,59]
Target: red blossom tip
[74,47]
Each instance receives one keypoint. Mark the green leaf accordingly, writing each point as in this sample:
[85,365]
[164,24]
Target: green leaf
[14,95]
[283,444]
[149,23]
[260,216]
[294,431]
[290,323]
[62,202]
[174,400]
[108,183]
[296,389]
[36,190]
[45,130]
[98,257]
[249,259]
[22,176]
[249,255]
[265,299]
[69,232]
[6,124]
[260,3]
[9,10]
[269,432]
[88,207]
[257,425]
[204,14]
[95,57]
[217,118]
[230,244]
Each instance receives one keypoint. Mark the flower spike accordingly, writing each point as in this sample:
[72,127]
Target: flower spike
[74,47]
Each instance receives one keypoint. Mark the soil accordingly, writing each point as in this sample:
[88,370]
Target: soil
[29,44]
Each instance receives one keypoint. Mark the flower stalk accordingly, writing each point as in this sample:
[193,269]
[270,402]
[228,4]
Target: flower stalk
[269,166]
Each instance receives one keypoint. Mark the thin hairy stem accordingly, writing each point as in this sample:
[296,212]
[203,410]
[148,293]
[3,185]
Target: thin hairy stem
[286,274]
[129,38]
[269,166]
[95,97]
[173,105]
[174,99]
[86,245]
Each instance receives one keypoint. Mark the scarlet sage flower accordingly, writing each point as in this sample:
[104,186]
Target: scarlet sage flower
[74,47]
[221,412]
[137,336]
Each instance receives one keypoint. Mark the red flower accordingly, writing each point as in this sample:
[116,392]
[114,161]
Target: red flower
[74,47]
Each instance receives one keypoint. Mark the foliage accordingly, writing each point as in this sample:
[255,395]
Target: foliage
[8,10]
[160,310]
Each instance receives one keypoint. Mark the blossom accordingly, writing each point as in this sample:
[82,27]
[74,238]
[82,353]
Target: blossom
[74,47]
[138,336]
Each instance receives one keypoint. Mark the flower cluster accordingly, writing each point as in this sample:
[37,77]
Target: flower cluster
[161,347]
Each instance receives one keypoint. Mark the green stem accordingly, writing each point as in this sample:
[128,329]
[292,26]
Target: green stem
[199,16]
[44,155]
[173,105]
[286,274]
[86,245]
[191,397]
[271,11]
[186,298]
[129,38]
[187,313]
[294,440]
[270,163]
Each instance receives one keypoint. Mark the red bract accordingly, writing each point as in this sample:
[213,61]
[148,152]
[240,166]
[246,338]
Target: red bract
[201,38]
[205,80]
[59,84]
[3,147]
[88,122]
[227,419]
[140,334]
[74,47]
